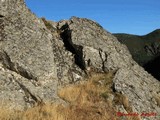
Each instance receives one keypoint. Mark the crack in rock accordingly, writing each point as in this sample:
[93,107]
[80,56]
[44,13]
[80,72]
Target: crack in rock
[1,16]
[2,33]
[7,62]
[104,59]
[77,50]
[29,97]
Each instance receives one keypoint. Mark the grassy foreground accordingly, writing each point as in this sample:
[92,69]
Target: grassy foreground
[90,100]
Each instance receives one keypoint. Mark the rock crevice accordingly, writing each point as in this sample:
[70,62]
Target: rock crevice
[77,50]
[30,97]
[7,62]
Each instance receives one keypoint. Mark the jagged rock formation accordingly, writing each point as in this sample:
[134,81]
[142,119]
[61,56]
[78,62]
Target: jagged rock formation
[105,53]
[37,56]
[30,50]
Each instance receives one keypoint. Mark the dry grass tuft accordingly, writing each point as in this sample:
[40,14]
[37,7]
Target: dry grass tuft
[89,100]
[44,112]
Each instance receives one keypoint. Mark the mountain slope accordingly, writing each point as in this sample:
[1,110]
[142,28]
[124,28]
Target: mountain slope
[143,48]
[39,57]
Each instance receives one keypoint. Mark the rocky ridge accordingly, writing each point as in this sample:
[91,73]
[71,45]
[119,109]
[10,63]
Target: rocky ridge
[39,56]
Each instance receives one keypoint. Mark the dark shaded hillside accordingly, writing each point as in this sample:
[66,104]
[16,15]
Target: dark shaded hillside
[153,67]
[145,49]
[153,36]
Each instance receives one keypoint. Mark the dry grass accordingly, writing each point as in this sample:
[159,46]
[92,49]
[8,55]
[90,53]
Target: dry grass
[89,100]
[45,112]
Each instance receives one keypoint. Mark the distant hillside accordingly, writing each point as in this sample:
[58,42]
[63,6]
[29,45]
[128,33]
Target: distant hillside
[155,64]
[153,36]
[144,49]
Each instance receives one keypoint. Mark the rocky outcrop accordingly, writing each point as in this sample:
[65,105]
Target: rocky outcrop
[38,56]
[104,53]
[33,52]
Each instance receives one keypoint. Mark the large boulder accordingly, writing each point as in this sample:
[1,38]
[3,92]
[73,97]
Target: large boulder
[103,52]
[30,51]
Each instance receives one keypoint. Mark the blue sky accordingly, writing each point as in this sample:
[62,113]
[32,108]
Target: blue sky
[116,16]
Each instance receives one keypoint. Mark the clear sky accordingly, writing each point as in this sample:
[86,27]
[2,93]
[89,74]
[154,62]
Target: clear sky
[117,16]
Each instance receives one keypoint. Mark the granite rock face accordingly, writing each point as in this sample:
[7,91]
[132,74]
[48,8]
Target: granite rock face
[35,53]
[38,56]
[104,53]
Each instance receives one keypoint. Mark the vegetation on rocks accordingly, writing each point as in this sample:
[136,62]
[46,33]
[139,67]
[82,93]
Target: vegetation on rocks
[92,99]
